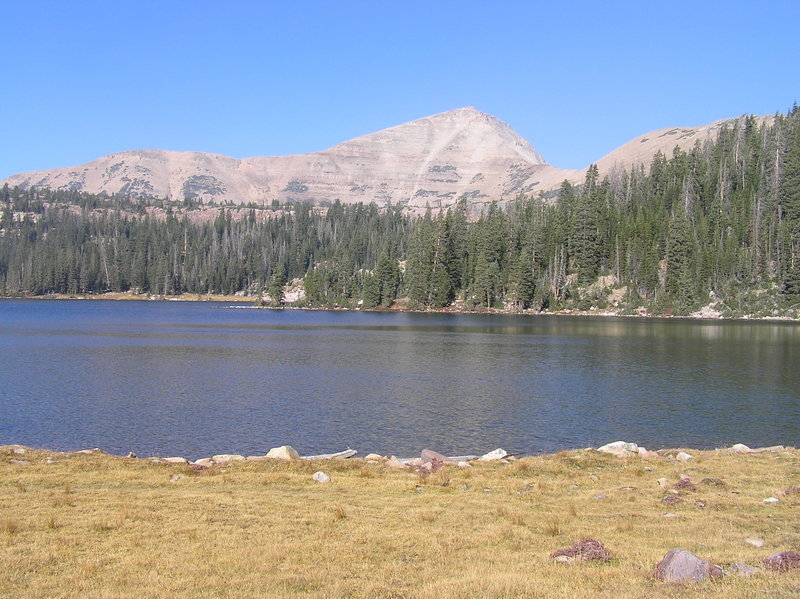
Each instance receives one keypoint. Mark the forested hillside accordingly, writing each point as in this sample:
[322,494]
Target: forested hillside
[718,226]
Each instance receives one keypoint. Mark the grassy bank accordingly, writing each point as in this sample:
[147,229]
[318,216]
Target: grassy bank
[97,526]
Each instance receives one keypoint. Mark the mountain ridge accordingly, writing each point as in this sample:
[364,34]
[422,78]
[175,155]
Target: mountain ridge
[433,162]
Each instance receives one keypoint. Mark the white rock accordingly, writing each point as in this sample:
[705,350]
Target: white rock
[495,454]
[620,449]
[682,456]
[745,569]
[176,460]
[373,456]
[670,515]
[393,462]
[772,500]
[284,452]
[739,448]
[203,462]
[463,464]
[321,477]
[19,450]
[771,448]
[663,482]
[227,457]
[564,559]
[754,541]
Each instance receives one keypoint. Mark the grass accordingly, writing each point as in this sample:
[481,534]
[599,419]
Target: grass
[102,527]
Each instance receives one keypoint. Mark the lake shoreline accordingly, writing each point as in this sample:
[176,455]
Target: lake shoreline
[250,301]
[619,449]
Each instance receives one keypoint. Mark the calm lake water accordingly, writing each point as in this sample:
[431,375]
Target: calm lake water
[196,379]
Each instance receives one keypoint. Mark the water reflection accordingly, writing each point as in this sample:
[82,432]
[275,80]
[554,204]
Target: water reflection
[198,379]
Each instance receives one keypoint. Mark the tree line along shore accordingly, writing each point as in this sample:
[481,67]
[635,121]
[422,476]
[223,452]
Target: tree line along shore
[715,229]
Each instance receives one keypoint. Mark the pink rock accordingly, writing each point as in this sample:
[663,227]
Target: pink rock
[394,463]
[584,550]
[782,561]
[429,456]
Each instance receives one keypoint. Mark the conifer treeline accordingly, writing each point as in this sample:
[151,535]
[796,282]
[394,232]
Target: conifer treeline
[719,224]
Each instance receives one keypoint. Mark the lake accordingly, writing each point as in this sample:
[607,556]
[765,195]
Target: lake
[201,378]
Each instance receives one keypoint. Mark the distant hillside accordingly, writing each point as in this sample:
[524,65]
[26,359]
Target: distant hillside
[434,161]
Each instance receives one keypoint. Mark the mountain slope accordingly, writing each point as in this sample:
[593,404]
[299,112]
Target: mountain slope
[433,161]
[641,150]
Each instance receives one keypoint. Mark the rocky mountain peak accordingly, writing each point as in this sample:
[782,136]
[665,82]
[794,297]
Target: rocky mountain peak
[435,161]
[464,133]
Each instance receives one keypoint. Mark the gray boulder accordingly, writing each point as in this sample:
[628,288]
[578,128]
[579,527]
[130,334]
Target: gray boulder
[681,566]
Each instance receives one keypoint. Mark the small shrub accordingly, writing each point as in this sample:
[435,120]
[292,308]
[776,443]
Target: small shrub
[9,527]
[553,527]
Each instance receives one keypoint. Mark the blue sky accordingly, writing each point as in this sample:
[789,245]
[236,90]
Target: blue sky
[83,79]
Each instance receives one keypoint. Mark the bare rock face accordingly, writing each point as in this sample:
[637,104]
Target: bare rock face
[434,161]
[681,566]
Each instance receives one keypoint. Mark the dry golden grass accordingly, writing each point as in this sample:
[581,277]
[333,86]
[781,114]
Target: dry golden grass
[96,526]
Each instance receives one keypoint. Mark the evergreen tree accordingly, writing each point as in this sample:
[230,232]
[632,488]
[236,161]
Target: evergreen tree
[585,229]
[387,280]
[679,283]
[790,204]
[276,285]
[521,281]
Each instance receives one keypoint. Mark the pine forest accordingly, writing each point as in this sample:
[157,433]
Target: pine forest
[714,228]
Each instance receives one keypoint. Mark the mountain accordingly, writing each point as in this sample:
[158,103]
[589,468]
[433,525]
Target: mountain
[433,161]
[641,150]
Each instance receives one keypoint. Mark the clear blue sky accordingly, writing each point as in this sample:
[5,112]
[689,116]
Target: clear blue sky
[86,78]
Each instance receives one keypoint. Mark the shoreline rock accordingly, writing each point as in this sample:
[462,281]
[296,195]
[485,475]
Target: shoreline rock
[431,458]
